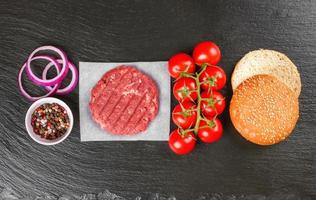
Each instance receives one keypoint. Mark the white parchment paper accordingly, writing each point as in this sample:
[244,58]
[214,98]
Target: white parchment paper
[89,75]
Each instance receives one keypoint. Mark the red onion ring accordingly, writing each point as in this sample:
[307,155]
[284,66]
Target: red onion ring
[72,85]
[54,89]
[57,79]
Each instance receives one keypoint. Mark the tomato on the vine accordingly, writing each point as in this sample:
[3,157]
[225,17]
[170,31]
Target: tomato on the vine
[206,52]
[184,115]
[210,131]
[185,89]
[212,104]
[213,78]
[182,143]
[179,63]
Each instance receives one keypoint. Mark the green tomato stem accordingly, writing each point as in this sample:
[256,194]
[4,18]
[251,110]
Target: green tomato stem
[199,99]
[198,83]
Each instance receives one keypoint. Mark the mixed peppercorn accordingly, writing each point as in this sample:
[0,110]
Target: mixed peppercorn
[50,121]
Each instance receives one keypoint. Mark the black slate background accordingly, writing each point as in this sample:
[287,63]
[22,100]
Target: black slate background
[139,30]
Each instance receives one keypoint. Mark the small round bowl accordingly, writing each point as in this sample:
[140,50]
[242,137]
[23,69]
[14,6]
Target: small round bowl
[29,127]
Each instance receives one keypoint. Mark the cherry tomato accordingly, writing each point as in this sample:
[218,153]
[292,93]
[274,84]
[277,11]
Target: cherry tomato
[183,115]
[206,52]
[182,144]
[213,77]
[211,131]
[184,89]
[213,104]
[179,63]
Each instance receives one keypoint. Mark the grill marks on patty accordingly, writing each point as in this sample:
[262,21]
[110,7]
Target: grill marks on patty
[130,111]
[100,94]
[115,97]
[124,101]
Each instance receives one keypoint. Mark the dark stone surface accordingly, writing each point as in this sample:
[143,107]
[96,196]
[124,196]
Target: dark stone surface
[148,31]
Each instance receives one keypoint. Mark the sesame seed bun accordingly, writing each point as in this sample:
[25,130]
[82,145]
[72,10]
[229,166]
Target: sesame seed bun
[264,61]
[264,110]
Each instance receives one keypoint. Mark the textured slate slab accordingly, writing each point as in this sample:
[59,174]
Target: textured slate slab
[140,30]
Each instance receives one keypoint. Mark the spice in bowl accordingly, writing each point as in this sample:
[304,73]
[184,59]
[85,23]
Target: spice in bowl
[50,121]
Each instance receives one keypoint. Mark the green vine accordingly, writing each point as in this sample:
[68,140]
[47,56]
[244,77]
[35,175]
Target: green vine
[211,102]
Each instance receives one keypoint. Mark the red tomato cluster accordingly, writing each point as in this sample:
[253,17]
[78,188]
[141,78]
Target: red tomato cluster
[196,89]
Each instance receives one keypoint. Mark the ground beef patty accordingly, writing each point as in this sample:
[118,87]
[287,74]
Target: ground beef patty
[124,101]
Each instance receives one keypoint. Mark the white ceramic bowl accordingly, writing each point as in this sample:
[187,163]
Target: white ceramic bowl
[29,127]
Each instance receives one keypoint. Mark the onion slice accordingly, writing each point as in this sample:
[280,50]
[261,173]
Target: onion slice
[51,92]
[57,79]
[74,80]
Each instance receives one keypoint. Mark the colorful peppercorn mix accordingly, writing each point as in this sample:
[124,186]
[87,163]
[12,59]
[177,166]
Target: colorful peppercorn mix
[50,121]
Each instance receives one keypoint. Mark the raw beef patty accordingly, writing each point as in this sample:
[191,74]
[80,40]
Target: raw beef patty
[124,101]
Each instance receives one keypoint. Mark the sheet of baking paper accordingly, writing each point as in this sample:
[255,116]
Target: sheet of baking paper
[89,75]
